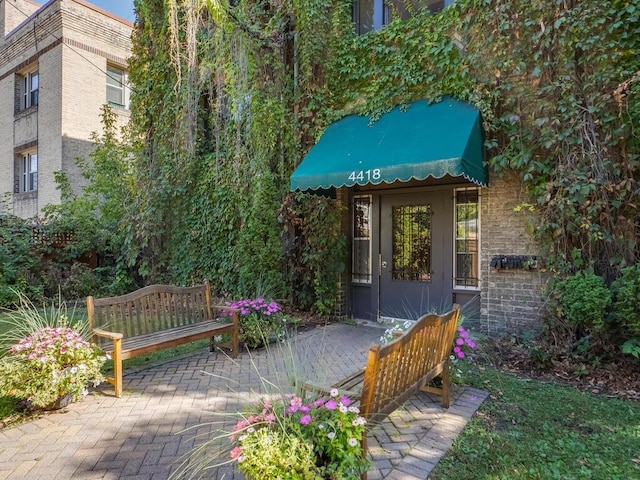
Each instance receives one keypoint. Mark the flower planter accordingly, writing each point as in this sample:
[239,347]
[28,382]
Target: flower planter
[60,402]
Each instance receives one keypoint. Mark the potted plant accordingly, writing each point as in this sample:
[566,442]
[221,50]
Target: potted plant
[51,368]
[47,361]
[301,440]
[260,321]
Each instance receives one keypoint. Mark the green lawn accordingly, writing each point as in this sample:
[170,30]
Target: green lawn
[529,429]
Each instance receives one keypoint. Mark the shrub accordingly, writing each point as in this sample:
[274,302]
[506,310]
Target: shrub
[583,299]
[626,294]
[17,261]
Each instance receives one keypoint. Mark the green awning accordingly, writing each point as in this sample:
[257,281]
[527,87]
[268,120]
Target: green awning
[422,141]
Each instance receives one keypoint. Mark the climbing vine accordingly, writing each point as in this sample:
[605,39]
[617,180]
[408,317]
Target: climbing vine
[229,96]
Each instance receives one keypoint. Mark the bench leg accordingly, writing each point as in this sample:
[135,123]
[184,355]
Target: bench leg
[235,341]
[446,385]
[363,475]
[117,366]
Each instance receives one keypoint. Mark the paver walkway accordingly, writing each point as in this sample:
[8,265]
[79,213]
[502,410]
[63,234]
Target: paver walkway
[168,409]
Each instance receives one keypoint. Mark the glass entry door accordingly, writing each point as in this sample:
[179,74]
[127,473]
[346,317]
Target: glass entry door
[415,264]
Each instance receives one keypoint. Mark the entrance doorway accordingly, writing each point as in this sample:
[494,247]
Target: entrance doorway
[415,264]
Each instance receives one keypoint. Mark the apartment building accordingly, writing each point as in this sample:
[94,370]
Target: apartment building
[59,64]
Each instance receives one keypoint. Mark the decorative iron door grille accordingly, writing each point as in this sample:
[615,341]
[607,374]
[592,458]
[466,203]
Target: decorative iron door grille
[411,243]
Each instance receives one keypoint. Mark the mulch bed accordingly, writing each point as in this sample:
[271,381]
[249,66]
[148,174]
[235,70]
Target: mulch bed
[611,374]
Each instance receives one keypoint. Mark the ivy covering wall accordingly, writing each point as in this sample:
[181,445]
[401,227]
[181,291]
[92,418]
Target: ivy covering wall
[229,96]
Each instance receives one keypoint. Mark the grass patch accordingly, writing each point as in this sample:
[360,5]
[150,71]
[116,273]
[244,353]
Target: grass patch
[529,429]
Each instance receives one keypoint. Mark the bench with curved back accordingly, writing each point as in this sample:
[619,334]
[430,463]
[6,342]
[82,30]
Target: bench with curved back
[155,318]
[398,370]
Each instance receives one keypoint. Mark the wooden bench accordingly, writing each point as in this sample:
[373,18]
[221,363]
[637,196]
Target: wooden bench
[154,318]
[398,370]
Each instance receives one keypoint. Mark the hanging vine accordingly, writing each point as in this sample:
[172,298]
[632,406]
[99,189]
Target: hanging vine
[230,95]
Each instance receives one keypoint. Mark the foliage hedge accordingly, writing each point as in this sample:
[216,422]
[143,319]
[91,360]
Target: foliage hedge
[229,96]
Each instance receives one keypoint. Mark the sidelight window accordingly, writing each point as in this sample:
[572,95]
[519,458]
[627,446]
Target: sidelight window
[361,244]
[466,238]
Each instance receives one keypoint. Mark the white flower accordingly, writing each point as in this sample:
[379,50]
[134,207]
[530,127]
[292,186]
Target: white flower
[251,429]
[343,409]
[334,392]
[73,369]
[358,421]
[354,409]
[353,442]
[82,367]
[85,392]
[331,435]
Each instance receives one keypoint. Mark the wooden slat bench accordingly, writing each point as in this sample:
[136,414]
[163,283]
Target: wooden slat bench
[155,318]
[396,371]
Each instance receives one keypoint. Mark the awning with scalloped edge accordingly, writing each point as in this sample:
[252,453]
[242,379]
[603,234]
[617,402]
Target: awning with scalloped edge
[420,141]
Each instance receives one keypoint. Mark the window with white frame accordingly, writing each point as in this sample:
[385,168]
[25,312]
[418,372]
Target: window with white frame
[28,178]
[467,223]
[369,15]
[117,90]
[29,87]
[361,240]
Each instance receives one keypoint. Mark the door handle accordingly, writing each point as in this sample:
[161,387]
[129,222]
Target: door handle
[384,264]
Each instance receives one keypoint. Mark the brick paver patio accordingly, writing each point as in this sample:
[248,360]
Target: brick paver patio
[168,409]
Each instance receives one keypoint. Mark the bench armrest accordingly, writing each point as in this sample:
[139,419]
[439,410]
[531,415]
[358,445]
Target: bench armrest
[103,333]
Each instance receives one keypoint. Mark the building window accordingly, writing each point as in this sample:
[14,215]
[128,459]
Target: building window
[361,245]
[28,172]
[117,90]
[369,15]
[467,222]
[29,85]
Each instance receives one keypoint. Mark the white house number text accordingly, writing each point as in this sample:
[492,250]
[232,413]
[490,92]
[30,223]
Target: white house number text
[363,175]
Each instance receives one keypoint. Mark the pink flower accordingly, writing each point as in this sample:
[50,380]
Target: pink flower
[460,341]
[240,425]
[460,354]
[236,452]
[331,404]
[305,420]
[346,401]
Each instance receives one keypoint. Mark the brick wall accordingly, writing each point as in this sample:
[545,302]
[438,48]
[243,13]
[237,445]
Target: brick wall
[12,14]
[71,44]
[511,300]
